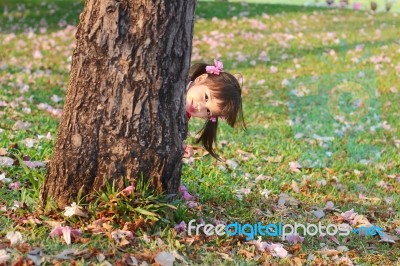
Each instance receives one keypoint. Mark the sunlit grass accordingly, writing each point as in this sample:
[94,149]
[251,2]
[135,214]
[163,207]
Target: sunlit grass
[269,45]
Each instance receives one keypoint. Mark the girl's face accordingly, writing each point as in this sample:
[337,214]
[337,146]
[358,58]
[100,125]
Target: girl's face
[199,101]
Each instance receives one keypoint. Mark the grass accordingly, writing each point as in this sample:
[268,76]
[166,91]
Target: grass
[268,45]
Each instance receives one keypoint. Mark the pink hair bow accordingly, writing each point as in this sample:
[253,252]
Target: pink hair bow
[216,68]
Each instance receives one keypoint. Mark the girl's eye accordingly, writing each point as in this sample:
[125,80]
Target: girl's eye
[206,97]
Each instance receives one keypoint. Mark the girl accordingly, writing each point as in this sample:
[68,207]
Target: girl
[212,94]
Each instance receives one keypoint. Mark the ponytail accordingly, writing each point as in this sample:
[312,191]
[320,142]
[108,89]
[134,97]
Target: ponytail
[208,136]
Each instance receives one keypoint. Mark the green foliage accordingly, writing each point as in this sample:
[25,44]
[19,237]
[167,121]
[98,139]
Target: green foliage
[142,204]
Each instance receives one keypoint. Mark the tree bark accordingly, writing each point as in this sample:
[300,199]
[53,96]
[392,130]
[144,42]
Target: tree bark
[124,110]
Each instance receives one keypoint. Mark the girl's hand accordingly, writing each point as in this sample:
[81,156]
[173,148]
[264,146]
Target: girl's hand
[188,151]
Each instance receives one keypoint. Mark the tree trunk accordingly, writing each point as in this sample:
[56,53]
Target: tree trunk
[124,110]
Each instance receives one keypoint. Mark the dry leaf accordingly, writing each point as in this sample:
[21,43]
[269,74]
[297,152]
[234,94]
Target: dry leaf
[319,213]
[295,186]
[66,254]
[132,261]
[232,164]
[246,253]
[165,258]
[36,256]
[6,161]
[4,256]
[285,199]
[74,210]
[342,248]
[224,256]
[14,237]
[274,159]
[388,238]
[329,252]
[179,257]
[3,152]
[19,125]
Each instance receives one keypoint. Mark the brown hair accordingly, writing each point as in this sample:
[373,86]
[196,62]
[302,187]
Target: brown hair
[227,89]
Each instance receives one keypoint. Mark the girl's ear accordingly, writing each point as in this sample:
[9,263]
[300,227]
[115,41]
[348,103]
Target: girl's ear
[200,79]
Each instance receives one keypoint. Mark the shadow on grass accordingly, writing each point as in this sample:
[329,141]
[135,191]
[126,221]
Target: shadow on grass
[319,52]
[17,17]
[224,10]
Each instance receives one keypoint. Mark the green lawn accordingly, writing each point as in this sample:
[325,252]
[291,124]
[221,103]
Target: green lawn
[321,103]
[365,3]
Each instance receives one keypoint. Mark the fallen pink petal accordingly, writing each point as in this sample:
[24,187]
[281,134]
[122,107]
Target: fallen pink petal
[184,193]
[294,167]
[128,190]
[260,245]
[294,239]
[350,216]
[277,250]
[66,232]
[34,164]
[181,227]
[15,185]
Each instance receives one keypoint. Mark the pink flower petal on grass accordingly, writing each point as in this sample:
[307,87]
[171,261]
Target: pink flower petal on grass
[294,167]
[34,164]
[15,185]
[181,227]
[349,216]
[37,54]
[273,69]
[4,179]
[54,111]
[4,257]
[277,250]
[294,239]
[184,192]
[6,161]
[357,5]
[274,249]
[260,245]
[192,204]
[128,234]
[57,231]
[128,190]
[329,205]
[186,195]
[121,236]
[66,232]
[242,192]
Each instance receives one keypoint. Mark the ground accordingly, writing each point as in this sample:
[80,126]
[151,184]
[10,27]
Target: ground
[321,93]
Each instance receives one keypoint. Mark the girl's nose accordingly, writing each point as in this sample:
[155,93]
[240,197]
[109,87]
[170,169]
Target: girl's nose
[200,106]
